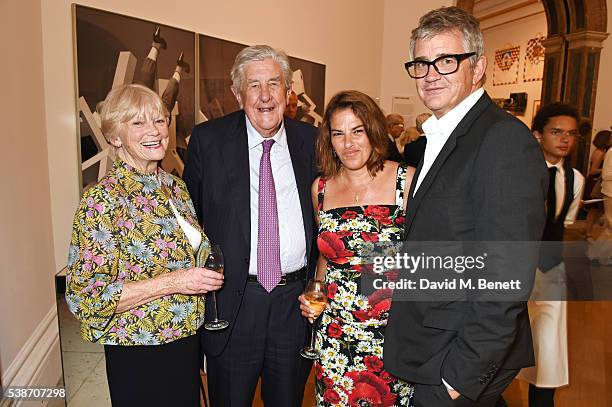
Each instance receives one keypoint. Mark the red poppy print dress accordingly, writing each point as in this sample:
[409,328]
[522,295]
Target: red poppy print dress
[351,330]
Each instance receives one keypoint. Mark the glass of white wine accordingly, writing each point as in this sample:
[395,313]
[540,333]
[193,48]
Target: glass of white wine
[215,262]
[316,294]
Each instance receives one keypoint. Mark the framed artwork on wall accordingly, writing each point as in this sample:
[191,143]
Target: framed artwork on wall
[216,57]
[533,66]
[112,50]
[309,85]
[506,66]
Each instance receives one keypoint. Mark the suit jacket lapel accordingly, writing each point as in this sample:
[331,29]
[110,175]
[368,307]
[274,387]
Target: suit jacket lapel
[235,153]
[411,205]
[301,169]
[461,129]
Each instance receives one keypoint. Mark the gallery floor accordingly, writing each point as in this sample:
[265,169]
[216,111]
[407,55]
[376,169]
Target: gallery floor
[590,353]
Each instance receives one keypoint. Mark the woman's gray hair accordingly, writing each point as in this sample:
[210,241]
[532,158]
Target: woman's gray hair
[448,19]
[259,53]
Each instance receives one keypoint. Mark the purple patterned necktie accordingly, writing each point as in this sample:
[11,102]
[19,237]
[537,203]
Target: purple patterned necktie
[268,240]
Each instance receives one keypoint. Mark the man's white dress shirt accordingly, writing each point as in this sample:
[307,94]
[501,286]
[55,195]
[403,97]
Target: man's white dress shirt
[439,130]
[578,188]
[290,220]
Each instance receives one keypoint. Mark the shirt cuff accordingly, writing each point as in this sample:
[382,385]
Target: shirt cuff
[448,386]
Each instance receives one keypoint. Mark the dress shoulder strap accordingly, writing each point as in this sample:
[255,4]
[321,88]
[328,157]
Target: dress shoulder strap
[400,185]
[321,192]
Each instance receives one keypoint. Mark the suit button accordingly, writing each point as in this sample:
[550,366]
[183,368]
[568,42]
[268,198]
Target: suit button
[238,293]
[246,260]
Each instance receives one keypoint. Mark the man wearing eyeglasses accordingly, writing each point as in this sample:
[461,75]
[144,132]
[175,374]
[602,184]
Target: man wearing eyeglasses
[555,126]
[482,179]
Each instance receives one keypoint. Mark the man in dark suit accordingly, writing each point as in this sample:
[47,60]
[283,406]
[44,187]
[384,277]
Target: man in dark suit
[482,179]
[249,174]
[414,151]
[395,128]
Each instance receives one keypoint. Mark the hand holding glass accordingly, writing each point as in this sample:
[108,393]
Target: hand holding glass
[316,294]
[215,262]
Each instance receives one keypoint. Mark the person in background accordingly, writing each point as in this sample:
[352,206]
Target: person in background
[132,280]
[555,126]
[249,174]
[601,142]
[395,128]
[419,120]
[410,135]
[413,152]
[360,197]
[606,191]
[292,106]
[600,250]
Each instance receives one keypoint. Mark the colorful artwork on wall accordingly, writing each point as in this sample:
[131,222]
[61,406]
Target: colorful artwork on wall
[506,67]
[533,66]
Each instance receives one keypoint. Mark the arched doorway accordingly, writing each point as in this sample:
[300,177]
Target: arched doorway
[576,31]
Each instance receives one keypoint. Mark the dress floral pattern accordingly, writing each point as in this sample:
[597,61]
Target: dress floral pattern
[126,230]
[350,336]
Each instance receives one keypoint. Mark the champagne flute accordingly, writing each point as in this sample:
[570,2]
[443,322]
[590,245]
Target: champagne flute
[214,261]
[316,294]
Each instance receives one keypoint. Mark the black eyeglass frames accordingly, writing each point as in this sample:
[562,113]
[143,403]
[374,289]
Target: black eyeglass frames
[444,65]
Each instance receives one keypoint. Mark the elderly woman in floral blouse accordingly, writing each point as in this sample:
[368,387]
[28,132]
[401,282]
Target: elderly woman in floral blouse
[132,281]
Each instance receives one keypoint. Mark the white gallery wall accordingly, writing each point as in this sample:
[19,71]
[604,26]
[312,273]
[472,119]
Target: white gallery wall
[29,347]
[401,17]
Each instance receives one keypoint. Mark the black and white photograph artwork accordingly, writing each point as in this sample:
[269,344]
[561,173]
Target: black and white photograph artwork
[112,50]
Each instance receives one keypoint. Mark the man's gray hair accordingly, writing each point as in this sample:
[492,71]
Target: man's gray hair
[259,53]
[448,19]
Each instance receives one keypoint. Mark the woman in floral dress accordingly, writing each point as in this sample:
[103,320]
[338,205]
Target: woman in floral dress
[360,198]
[131,278]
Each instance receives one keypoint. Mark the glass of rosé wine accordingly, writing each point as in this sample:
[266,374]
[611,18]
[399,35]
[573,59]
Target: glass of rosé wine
[316,294]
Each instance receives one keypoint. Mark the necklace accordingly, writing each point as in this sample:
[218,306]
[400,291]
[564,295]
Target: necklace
[361,191]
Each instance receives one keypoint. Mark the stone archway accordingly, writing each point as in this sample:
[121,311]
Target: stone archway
[576,31]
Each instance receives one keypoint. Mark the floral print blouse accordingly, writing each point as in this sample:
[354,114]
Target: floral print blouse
[125,230]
